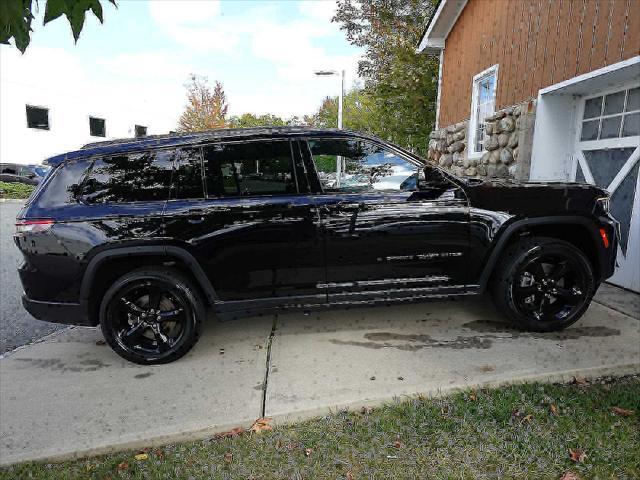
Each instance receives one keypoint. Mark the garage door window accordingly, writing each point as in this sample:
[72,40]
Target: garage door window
[615,115]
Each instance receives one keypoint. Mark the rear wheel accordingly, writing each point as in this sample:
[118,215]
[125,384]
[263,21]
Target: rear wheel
[543,284]
[152,315]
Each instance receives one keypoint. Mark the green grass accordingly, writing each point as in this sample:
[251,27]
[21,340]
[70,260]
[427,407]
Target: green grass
[484,434]
[15,190]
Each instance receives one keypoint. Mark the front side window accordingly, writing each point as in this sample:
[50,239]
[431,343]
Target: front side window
[483,105]
[355,165]
[249,169]
[38,117]
[129,177]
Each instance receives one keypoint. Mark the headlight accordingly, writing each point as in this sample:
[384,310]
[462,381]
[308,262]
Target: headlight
[602,205]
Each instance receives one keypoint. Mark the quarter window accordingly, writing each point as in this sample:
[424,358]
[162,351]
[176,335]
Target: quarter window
[483,105]
[614,115]
[354,165]
[38,117]
[249,169]
[129,178]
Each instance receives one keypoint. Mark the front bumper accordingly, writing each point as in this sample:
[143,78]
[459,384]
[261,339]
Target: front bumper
[67,313]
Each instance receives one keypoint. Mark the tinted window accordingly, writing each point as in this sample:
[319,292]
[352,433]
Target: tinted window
[37,117]
[253,168]
[365,167]
[64,186]
[187,177]
[129,178]
[97,127]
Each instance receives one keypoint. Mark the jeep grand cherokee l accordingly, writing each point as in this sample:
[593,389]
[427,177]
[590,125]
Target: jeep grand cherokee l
[141,236]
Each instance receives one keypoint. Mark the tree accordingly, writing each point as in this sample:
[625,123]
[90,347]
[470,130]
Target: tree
[206,110]
[248,120]
[400,84]
[16,17]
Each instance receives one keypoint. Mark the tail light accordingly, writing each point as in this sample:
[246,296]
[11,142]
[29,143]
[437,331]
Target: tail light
[605,237]
[35,225]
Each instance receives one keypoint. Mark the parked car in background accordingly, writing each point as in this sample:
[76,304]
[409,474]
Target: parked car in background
[29,174]
[141,236]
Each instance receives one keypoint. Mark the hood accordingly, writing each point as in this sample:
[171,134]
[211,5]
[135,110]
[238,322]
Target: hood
[533,198]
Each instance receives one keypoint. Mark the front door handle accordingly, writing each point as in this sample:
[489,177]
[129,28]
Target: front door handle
[196,220]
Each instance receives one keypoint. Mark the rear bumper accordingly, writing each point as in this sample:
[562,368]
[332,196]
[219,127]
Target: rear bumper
[67,313]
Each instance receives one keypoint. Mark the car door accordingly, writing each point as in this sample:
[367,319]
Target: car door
[384,237]
[249,220]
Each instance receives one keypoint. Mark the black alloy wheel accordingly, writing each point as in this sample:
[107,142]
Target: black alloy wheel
[543,284]
[151,315]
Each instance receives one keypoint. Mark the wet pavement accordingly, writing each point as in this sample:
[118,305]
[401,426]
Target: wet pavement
[69,395]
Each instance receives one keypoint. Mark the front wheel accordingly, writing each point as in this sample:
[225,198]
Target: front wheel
[543,284]
[152,315]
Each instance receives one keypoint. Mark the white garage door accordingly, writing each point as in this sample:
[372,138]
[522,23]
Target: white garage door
[607,152]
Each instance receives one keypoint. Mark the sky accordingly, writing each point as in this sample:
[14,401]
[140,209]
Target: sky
[264,53]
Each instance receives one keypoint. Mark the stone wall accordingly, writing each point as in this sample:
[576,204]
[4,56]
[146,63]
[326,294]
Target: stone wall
[507,151]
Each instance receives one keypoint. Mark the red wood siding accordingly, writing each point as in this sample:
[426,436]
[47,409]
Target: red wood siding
[536,43]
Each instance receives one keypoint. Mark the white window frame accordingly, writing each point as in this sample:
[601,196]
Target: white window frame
[473,121]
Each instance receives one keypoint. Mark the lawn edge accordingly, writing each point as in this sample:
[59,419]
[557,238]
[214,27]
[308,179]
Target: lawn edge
[282,419]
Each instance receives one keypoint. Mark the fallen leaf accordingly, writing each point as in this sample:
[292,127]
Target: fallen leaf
[228,457]
[308,452]
[569,475]
[623,412]
[234,432]
[366,410]
[577,455]
[291,446]
[90,467]
[100,342]
[580,381]
[261,425]
[473,397]
[349,476]
[123,466]
[554,410]
[158,453]
[397,444]
[527,418]
[141,456]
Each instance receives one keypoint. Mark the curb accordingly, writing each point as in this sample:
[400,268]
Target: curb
[287,418]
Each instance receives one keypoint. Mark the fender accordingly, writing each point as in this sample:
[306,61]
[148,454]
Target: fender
[510,230]
[165,250]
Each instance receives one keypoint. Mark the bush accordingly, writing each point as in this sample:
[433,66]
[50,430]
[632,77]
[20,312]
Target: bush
[15,190]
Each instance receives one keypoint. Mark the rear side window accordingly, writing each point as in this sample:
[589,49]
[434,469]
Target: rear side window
[187,177]
[249,169]
[132,177]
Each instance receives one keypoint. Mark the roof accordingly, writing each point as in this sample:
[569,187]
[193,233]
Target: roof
[124,145]
[440,24]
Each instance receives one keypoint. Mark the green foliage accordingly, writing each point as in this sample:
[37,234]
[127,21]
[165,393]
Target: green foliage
[248,120]
[16,17]
[15,190]
[400,89]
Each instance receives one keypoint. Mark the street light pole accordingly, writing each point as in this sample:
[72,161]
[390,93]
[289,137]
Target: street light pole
[339,159]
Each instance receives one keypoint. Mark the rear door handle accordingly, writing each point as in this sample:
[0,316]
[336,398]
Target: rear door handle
[350,206]
[195,220]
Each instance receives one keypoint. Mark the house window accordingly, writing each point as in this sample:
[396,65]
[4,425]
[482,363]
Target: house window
[483,102]
[614,115]
[38,117]
[97,127]
[141,131]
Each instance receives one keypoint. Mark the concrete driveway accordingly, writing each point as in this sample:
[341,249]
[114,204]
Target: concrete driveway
[68,396]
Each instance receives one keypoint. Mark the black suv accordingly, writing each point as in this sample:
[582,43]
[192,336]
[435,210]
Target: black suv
[141,236]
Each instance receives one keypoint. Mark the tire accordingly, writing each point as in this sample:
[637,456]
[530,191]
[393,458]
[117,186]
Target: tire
[142,334]
[543,284]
